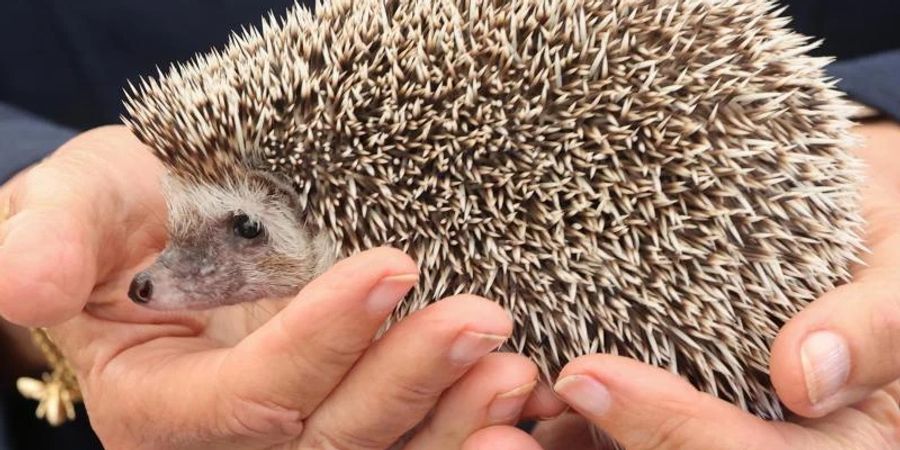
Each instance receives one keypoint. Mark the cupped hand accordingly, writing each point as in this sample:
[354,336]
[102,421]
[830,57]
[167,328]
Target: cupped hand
[836,364]
[308,374]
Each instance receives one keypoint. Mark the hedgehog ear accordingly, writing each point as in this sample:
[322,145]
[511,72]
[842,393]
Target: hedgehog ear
[276,186]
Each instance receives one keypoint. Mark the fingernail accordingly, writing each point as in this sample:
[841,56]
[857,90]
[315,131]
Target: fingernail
[826,364]
[470,346]
[584,393]
[388,292]
[508,405]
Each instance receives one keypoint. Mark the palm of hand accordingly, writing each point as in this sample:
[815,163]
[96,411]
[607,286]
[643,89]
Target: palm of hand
[298,374]
[129,350]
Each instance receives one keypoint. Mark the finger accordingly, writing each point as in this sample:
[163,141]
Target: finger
[294,360]
[74,218]
[571,431]
[47,256]
[873,423]
[544,404]
[400,378]
[493,392]
[644,407]
[500,438]
[883,406]
[840,349]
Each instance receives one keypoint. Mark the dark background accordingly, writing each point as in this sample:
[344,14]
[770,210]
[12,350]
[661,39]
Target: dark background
[68,61]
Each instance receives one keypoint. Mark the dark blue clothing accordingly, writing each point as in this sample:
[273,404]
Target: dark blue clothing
[25,137]
[68,61]
[850,28]
[873,80]
[64,64]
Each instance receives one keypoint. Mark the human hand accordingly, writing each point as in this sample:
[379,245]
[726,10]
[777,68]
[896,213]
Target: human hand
[84,221]
[844,384]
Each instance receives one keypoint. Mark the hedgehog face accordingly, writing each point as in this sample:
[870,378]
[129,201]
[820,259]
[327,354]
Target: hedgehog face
[229,243]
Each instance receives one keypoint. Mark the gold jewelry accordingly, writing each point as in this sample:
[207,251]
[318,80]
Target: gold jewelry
[57,391]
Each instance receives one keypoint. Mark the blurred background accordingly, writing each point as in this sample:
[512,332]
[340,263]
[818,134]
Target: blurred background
[64,64]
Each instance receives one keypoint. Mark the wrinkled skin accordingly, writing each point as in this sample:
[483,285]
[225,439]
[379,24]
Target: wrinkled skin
[128,353]
[309,375]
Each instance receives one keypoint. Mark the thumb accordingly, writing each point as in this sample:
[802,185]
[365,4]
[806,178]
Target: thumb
[47,259]
[644,407]
[87,211]
[840,349]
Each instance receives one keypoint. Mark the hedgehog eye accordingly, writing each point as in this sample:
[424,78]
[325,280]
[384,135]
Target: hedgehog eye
[246,227]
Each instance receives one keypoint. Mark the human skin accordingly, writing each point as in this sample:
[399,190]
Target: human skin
[298,374]
[644,407]
[854,405]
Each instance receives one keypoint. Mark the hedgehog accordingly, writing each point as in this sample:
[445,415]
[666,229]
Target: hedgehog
[665,180]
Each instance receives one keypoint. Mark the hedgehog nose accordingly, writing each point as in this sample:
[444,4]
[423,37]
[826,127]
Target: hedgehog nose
[141,289]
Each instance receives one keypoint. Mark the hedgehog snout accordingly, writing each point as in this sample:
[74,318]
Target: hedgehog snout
[141,289]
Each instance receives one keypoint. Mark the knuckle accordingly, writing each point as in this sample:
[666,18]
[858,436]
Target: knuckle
[893,389]
[679,426]
[342,439]
[13,203]
[670,433]
[323,349]
[266,419]
[414,392]
[341,351]
[335,352]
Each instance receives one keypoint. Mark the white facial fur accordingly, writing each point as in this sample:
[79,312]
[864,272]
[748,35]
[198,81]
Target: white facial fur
[207,264]
[192,204]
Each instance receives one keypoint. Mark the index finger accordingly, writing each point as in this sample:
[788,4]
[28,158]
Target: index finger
[839,349]
[646,407]
[301,354]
